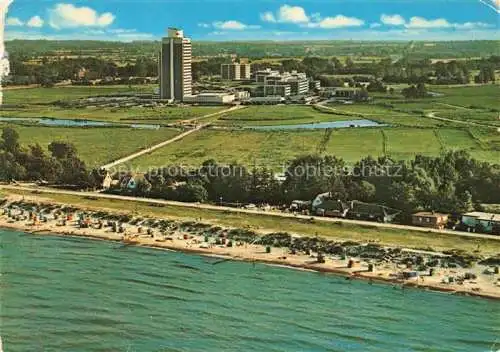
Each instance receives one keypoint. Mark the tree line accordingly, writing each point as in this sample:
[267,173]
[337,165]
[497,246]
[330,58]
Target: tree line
[453,182]
[61,167]
[80,69]
[327,69]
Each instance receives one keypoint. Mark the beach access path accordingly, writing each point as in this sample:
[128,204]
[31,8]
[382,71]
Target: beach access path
[170,141]
[47,190]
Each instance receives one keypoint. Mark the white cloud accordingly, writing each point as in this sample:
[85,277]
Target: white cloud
[203,25]
[420,22]
[121,35]
[267,17]
[233,25]
[338,21]
[392,20]
[298,15]
[105,19]
[35,22]
[14,21]
[375,25]
[292,14]
[70,16]
[416,22]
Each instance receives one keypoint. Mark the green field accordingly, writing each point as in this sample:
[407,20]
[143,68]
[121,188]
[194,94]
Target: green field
[158,115]
[41,102]
[96,146]
[50,95]
[266,115]
[274,148]
[481,97]
[387,115]
[300,114]
[478,104]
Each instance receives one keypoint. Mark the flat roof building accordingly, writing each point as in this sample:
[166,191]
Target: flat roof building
[210,98]
[235,71]
[175,66]
[273,82]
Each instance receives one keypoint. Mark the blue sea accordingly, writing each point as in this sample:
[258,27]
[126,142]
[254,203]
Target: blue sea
[67,294]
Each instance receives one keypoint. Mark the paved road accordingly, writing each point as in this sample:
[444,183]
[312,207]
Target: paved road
[248,211]
[172,140]
[432,115]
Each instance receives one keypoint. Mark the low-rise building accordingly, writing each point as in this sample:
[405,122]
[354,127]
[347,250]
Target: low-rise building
[283,90]
[263,75]
[430,219]
[265,100]
[371,212]
[324,205]
[208,98]
[482,222]
[107,181]
[129,182]
[314,85]
[242,95]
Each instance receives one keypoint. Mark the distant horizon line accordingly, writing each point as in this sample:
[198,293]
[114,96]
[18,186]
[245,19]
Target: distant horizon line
[259,40]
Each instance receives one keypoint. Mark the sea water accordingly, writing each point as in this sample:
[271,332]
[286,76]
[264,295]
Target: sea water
[68,294]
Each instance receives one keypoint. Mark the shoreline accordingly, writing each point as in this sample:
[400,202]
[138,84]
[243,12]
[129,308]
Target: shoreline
[213,241]
[316,268]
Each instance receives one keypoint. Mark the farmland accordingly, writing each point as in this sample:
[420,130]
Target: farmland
[274,148]
[409,130]
[34,96]
[291,114]
[150,115]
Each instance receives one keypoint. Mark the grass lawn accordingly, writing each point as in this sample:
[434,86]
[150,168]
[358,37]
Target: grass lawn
[50,95]
[270,149]
[334,231]
[157,115]
[267,115]
[474,115]
[299,114]
[275,148]
[405,143]
[482,97]
[387,115]
[39,102]
[96,146]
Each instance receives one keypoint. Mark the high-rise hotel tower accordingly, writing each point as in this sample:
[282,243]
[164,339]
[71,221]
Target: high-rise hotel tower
[175,66]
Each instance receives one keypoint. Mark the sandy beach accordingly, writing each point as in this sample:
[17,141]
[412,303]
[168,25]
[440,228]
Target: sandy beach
[477,280]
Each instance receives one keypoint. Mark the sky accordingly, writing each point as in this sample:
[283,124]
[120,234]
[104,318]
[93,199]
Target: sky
[223,20]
